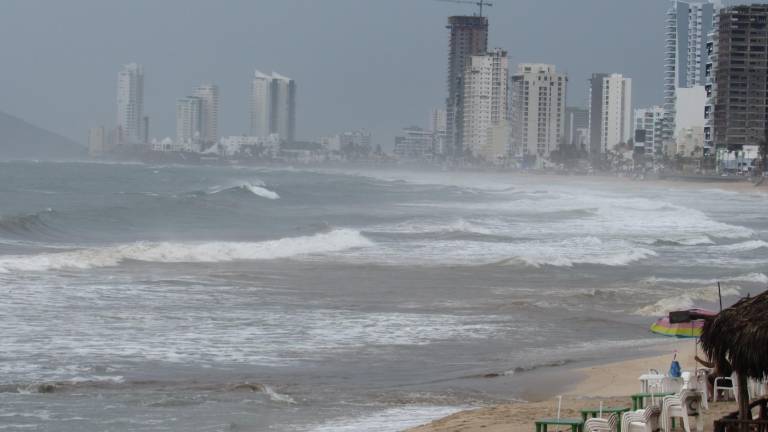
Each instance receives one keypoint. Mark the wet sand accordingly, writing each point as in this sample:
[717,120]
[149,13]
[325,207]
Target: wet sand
[609,383]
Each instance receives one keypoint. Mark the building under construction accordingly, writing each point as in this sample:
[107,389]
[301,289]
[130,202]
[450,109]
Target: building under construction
[469,36]
[737,114]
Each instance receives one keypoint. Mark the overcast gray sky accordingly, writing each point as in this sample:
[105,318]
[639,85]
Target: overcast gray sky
[372,64]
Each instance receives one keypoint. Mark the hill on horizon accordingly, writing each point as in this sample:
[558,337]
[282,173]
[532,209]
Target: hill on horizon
[20,139]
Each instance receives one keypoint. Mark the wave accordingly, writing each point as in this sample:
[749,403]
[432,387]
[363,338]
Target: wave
[210,252]
[758,278]
[259,189]
[742,247]
[433,227]
[26,224]
[693,298]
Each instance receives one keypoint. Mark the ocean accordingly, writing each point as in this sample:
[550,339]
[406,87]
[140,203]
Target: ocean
[165,298]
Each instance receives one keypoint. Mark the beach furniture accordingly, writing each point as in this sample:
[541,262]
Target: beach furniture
[649,380]
[598,424]
[725,384]
[638,399]
[645,420]
[593,414]
[675,406]
[576,425]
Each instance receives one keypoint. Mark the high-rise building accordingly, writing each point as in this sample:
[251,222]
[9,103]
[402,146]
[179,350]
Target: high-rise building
[485,99]
[189,122]
[538,94]
[97,141]
[284,107]
[649,125]
[438,125]
[273,106]
[209,128]
[576,125]
[610,112]
[261,105]
[689,23]
[469,37]
[737,112]
[130,104]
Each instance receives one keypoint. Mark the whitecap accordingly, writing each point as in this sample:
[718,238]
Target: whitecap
[208,252]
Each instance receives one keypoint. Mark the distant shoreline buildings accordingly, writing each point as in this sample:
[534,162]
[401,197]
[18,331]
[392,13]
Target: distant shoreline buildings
[714,111]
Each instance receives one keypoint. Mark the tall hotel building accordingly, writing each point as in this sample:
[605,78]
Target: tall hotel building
[688,27]
[737,112]
[209,114]
[273,106]
[538,96]
[485,100]
[610,112]
[189,122]
[469,37]
[131,123]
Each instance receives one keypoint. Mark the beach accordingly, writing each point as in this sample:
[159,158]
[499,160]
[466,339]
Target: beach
[242,298]
[581,388]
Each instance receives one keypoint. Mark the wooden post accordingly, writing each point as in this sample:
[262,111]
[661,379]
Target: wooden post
[744,413]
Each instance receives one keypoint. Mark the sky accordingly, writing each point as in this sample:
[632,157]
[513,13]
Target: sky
[377,65]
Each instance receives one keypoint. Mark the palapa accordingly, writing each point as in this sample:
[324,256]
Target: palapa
[740,335]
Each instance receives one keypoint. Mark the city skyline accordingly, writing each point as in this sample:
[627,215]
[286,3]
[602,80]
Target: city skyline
[335,95]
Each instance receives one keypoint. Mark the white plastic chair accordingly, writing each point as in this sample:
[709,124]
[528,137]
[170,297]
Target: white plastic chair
[645,420]
[675,407]
[601,424]
[722,384]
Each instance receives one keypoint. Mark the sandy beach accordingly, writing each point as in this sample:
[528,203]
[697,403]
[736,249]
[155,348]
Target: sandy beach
[609,383]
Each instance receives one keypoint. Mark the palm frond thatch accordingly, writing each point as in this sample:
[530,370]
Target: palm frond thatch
[740,335]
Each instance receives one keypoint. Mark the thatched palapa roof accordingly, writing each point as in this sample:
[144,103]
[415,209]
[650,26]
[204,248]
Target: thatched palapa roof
[740,334]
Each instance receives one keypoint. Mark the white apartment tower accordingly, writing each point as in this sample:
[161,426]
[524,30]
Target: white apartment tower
[610,112]
[649,125]
[273,106]
[209,128]
[189,122]
[485,99]
[537,108]
[130,104]
[688,26]
[284,107]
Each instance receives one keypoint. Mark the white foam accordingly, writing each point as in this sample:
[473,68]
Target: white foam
[277,397]
[689,300]
[742,247]
[209,252]
[559,253]
[390,420]
[261,191]
[257,188]
[759,278]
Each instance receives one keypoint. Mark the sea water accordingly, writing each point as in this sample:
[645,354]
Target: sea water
[160,298]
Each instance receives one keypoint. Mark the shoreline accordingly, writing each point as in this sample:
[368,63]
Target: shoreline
[609,382]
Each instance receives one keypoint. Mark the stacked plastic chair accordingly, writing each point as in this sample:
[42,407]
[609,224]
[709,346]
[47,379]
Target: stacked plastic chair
[675,406]
[601,424]
[645,420]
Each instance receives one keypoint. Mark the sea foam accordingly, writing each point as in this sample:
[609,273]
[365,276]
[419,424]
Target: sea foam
[208,252]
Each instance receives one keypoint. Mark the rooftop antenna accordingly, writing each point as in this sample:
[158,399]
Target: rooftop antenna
[481,4]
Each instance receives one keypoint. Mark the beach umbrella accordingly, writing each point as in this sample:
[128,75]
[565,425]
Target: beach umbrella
[682,324]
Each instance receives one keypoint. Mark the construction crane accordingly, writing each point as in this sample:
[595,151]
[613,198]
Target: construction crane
[481,4]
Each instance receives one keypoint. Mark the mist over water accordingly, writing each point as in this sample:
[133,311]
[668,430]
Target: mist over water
[190,298]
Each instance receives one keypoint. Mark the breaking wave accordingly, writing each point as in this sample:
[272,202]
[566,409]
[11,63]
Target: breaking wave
[689,300]
[27,224]
[758,278]
[209,252]
[742,247]
[259,189]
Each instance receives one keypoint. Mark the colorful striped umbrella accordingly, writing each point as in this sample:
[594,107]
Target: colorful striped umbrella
[691,329]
